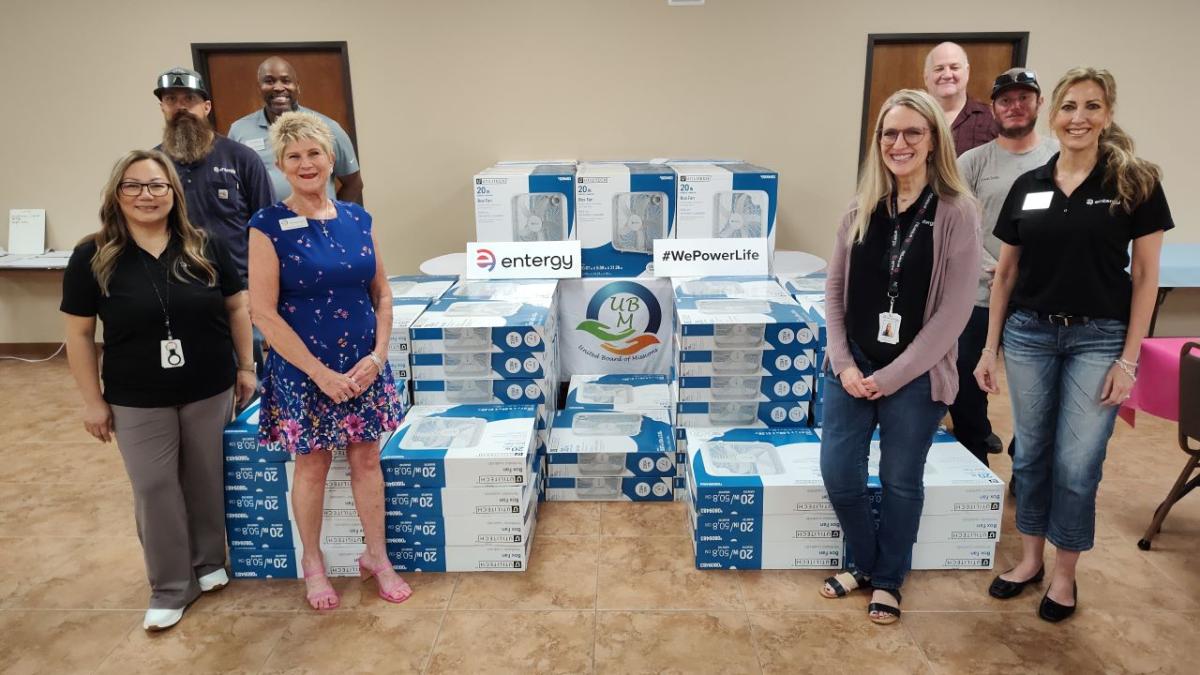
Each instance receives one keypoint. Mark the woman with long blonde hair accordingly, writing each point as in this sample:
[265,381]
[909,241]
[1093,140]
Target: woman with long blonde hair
[1071,320]
[174,311]
[900,289]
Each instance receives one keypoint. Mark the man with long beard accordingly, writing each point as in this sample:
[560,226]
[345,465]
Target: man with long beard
[280,86]
[224,182]
[990,170]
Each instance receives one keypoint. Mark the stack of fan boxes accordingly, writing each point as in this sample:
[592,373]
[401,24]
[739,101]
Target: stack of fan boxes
[756,500]
[264,542]
[746,354]
[613,441]
[809,293]
[411,294]
[461,487]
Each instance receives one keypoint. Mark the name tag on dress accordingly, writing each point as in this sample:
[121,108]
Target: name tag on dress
[293,223]
[1037,200]
[256,143]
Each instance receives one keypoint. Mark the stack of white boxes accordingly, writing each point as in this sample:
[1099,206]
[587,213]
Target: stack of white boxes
[264,542]
[621,208]
[613,441]
[809,293]
[525,201]
[411,294]
[461,489]
[756,500]
[746,354]
[492,342]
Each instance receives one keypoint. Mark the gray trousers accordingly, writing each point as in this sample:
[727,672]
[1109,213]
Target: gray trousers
[175,462]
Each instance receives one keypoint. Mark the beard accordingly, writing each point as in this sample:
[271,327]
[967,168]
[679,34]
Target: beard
[187,138]
[1018,132]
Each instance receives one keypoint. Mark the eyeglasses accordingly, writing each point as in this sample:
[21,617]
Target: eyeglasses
[1021,77]
[912,135]
[132,188]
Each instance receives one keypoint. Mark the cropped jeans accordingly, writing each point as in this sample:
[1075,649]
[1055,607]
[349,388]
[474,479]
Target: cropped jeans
[1055,377]
[907,420]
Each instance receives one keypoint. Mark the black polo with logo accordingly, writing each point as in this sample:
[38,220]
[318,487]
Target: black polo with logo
[1075,250]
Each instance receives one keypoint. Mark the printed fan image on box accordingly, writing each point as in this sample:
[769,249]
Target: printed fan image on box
[483,308]
[596,392]
[742,459]
[539,216]
[732,413]
[736,361]
[607,424]
[444,432]
[739,214]
[638,219]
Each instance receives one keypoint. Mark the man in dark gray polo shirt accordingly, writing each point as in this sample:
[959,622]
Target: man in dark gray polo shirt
[280,86]
[990,170]
[224,183]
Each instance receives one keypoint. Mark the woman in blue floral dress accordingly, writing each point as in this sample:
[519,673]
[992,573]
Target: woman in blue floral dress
[320,297]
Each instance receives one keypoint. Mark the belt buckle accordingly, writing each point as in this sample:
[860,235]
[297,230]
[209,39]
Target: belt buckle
[1061,319]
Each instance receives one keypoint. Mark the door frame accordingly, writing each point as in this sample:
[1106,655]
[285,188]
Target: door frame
[202,50]
[1019,41]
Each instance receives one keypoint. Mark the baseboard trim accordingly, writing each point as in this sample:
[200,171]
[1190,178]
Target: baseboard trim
[29,350]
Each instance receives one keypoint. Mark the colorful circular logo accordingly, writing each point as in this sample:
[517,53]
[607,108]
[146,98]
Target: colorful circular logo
[624,316]
[485,259]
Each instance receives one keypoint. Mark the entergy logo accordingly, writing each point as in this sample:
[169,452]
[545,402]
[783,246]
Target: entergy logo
[486,260]
[624,317]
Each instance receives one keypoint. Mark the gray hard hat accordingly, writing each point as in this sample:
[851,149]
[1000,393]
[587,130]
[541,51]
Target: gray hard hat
[181,78]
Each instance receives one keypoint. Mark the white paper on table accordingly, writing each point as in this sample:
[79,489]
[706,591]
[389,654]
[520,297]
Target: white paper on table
[26,231]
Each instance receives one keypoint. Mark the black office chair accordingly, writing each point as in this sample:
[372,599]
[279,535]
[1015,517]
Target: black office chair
[1189,430]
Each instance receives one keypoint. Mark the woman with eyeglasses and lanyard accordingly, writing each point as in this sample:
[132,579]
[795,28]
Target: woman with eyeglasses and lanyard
[1071,319]
[900,288]
[174,311]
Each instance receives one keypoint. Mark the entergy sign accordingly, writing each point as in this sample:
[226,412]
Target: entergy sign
[523,260]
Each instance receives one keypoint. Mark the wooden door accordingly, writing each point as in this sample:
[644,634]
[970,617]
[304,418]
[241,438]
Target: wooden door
[898,61]
[231,71]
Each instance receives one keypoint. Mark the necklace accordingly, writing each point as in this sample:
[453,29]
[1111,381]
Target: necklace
[323,222]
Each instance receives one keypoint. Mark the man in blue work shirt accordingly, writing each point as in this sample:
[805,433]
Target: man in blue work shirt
[280,86]
[224,183]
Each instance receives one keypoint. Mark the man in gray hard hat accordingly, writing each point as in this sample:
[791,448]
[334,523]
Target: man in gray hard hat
[224,182]
[280,87]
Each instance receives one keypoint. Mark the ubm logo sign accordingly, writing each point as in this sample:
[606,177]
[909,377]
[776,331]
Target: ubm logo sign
[524,260]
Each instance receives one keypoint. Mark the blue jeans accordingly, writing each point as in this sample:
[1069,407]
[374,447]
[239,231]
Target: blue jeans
[1055,378]
[970,409]
[907,422]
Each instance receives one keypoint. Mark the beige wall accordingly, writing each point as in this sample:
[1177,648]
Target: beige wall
[444,88]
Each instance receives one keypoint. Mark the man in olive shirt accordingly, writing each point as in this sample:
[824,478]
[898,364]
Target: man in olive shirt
[280,86]
[990,170]
[947,72]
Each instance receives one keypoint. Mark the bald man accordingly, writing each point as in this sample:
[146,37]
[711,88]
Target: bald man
[946,74]
[280,86]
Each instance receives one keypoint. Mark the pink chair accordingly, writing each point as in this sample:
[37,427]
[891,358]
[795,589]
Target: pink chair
[1189,430]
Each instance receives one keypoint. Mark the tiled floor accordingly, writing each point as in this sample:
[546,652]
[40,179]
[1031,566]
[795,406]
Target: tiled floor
[611,589]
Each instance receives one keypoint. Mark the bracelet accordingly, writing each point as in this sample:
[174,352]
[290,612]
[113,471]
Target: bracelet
[1128,368]
[988,350]
[249,368]
[377,361]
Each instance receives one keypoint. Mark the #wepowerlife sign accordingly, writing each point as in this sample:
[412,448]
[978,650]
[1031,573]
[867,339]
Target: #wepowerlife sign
[523,260]
[705,257]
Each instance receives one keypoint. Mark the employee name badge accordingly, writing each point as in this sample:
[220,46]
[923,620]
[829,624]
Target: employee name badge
[293,223]
[889,328]
[256,143]
[1037,200]
[171,353]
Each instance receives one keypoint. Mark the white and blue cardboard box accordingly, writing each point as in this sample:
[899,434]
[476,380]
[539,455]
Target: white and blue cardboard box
[248,563]
[420,286]
[729,287]
[465,325]
[263,533]
[585,443]
[483,391]
[746,388]
[534,291]
[525,202]
[508,500]
[477,558]
[750,414]
[460,446]
[621,208]
[756,472]
[277,478]
[708,324]
[773,546]
[481,366]
[803,284]
[416,530]
[734,200]
[610,489]
[621,391]
[405,312]
[746,362]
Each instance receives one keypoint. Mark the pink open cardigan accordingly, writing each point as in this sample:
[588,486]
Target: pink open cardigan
[956,260]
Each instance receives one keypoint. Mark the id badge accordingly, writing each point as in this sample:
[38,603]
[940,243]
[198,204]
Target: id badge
[889,328]
[171,353]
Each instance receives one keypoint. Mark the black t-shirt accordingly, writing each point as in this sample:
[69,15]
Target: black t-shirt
[132,370]
[1074,250]
[867,286]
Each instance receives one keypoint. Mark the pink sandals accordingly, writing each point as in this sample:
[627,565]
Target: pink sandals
[323,599]
[398,592]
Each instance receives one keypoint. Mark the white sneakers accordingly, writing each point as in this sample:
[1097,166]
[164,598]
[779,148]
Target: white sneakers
[162,619]
[214,581]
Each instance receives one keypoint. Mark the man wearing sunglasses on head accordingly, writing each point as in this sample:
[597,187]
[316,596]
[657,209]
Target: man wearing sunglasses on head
[990,170]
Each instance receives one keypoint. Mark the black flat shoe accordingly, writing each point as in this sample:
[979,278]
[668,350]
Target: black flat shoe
[1053,612]
[1003,589]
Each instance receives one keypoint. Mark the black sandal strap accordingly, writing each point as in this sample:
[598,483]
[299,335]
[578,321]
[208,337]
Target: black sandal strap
[837,587]
[880,608]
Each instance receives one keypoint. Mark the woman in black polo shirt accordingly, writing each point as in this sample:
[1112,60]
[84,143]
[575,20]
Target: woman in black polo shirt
[173,310]
[1075,322]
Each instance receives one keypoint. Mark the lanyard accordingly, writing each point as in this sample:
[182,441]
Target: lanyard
[899,249]
[163,304]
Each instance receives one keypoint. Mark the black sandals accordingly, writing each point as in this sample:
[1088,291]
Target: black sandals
[887,613]
[841,584]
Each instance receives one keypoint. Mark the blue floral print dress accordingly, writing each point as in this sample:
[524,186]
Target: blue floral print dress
[325,272]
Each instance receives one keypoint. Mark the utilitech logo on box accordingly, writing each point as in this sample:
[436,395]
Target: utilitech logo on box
[523,260]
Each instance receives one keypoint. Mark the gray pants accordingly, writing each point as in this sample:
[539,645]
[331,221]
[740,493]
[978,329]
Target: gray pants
[175,462]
